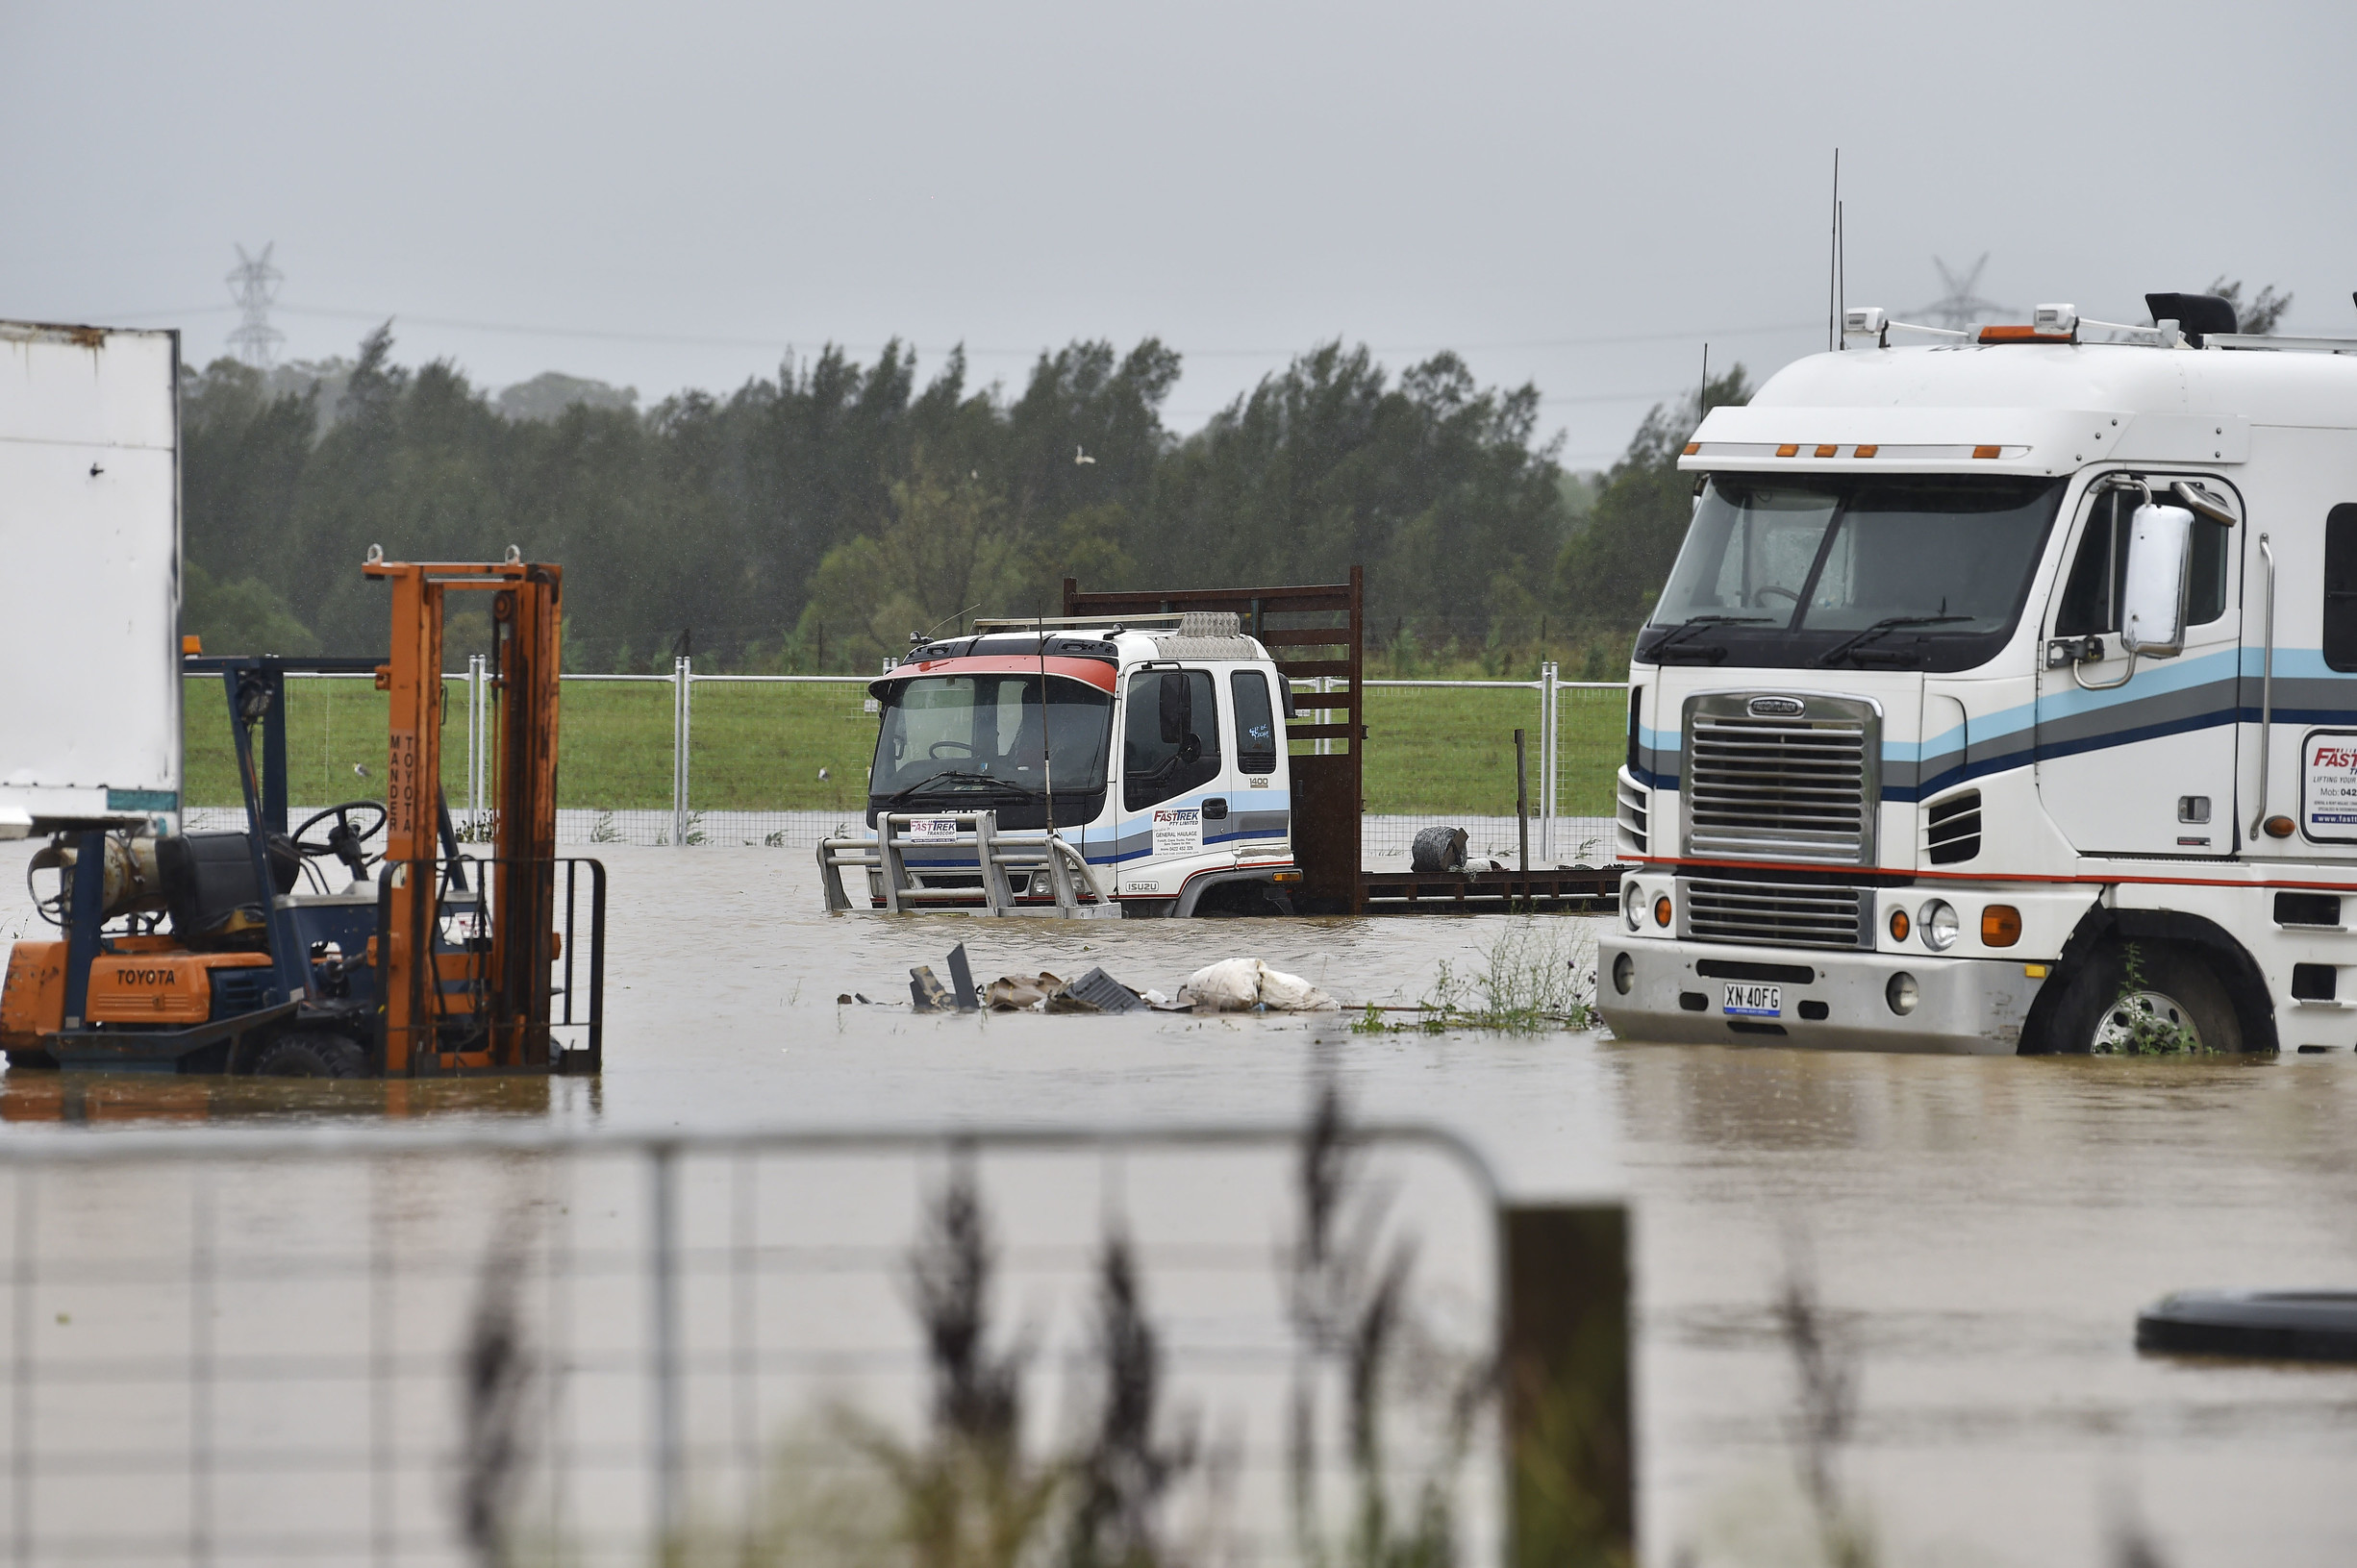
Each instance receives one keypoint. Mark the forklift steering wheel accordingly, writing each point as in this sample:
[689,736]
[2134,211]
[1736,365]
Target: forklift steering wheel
[342,832]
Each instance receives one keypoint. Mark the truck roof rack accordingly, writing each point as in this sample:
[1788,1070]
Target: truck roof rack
[1034,622]
[2306,345]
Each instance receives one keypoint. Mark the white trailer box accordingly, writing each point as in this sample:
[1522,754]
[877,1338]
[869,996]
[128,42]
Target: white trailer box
[89,577]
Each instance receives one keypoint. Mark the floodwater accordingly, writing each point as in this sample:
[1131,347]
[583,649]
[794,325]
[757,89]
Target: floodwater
[1982,1230]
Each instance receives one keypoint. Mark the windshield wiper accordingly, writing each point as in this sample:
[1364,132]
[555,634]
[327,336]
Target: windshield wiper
[1695,623]
[967,783]
[1888,623]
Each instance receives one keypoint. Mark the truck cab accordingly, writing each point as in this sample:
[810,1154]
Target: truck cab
[1159,753]
[2003,698]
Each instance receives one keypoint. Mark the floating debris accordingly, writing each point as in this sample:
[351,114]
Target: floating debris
[926,993]
[2273,1325]
[1021,993]
[1095,991]
[1244,984]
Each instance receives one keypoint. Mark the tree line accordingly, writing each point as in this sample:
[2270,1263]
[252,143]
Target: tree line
[813,520]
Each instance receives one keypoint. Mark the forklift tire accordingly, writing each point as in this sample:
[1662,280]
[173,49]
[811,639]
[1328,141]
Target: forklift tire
[310,1054]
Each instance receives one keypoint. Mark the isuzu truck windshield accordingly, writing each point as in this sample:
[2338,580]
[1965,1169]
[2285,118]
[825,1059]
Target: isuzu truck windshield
[948,740]
[1902,571]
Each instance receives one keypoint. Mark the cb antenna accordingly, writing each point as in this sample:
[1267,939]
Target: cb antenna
[1833,265]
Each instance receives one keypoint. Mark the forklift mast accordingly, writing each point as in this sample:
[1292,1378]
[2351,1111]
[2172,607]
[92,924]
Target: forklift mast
[509,969]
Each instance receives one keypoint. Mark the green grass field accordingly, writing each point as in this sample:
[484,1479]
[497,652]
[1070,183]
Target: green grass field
[759,747]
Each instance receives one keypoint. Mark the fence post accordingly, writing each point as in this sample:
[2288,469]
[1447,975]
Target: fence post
[1550,698]
[1521,807]
[663,1241]
[1570,1459]
[25,1241]
[477,742]
[683,685]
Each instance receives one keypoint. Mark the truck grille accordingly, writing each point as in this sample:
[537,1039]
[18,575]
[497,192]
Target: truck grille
[1778,915]
[1773,777]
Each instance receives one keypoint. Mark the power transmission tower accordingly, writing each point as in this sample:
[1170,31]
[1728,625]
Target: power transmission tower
[253,283]
[1960,307]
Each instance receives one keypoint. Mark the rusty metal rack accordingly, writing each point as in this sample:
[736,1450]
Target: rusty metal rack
[1581,890]
[1318,632]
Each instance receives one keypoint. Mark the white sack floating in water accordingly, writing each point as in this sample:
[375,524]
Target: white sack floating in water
[1241,984]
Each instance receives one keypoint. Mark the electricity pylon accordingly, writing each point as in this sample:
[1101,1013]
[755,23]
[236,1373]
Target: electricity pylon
[254,284]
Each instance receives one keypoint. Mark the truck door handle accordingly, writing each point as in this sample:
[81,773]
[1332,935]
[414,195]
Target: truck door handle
[1216,809]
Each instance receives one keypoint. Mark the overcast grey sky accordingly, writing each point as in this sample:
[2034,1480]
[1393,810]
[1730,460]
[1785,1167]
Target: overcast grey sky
[1574,194]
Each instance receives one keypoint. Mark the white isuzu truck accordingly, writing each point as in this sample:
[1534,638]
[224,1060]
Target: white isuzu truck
[2004,698]
[1151,781]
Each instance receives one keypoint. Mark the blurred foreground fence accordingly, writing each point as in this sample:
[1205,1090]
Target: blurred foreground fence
[1145,1347]
[782,759]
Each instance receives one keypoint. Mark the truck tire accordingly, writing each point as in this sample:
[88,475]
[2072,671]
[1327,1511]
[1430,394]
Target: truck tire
[2176,1002]
[310,1054]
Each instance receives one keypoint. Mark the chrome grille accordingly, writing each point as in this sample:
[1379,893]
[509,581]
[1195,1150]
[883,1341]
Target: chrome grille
[1777,914]
[1781,784]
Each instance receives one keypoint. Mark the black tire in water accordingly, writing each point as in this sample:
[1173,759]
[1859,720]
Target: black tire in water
[310,1054]
[2104,1010]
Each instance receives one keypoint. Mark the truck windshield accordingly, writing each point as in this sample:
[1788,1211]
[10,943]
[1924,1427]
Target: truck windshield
[981,733]
[1781,571]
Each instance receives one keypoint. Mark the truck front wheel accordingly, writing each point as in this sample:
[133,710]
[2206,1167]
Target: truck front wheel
[2146,999]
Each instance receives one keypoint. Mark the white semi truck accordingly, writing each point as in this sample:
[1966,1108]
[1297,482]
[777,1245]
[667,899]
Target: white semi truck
[2004,698]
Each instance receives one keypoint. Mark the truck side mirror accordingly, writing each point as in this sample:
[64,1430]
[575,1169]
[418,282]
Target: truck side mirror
[2152,608]
[1178,708]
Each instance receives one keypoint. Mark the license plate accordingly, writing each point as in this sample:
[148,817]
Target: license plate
[1755,1001]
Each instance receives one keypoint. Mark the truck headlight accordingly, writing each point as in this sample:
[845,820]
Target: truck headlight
[1939,925]
[1632,905]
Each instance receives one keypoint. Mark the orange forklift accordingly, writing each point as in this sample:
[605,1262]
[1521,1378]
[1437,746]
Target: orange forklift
[230,952]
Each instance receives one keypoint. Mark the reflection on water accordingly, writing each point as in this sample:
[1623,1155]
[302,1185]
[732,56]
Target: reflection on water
[1989,1226]
[101,1099]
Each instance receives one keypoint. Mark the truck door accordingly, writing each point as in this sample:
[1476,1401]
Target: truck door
[1171,765]
[1259,800]
[2141,765]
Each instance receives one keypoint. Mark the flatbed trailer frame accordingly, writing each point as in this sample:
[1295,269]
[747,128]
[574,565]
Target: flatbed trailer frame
[1318,632]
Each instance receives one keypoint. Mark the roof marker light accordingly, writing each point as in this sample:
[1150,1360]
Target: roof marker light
[1693,447]
[1989,452]
[1828,451]
[1790,449]
[1863,451]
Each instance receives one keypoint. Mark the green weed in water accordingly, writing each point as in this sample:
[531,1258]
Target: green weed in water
[2138,1028]
[1539,975]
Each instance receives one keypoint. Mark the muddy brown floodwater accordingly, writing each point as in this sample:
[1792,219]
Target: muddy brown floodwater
[1983,1228]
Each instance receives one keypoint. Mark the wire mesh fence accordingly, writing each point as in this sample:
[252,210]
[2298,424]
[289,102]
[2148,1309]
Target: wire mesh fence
[782,761]
[529,1348]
